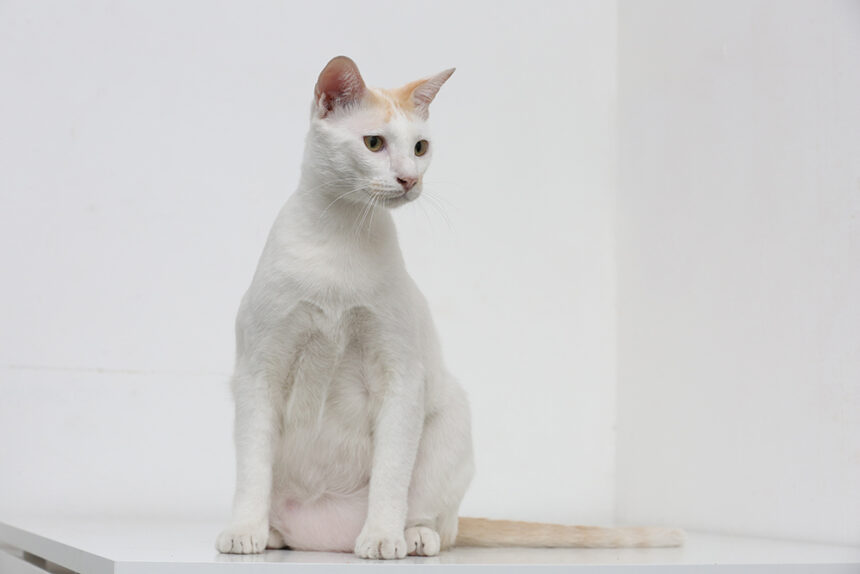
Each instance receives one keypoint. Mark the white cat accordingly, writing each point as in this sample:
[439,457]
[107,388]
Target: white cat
[350,433]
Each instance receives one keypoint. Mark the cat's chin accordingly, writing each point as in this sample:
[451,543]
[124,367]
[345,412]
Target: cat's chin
[394,200]
[398,201]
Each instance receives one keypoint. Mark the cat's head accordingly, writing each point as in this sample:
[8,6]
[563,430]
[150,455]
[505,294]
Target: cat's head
[370,145]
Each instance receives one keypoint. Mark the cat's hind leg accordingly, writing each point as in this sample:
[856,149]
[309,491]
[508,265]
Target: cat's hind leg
[276,540]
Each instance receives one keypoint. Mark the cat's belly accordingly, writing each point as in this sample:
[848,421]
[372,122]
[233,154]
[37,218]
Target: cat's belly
[329,524]
[332,458]
[325,452]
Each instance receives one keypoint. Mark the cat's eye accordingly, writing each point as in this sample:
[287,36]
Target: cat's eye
[374,143]
[421,147]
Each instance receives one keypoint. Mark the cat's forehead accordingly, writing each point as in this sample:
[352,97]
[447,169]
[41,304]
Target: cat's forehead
[385,112]
[392,103]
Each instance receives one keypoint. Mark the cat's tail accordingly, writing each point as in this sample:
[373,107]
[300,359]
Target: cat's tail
[485,532]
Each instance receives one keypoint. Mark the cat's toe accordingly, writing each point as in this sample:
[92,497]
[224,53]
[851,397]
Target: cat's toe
[422,541]
[378,546]
[243,539]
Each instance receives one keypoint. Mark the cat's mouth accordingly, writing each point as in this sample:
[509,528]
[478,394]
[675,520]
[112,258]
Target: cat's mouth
[388,195]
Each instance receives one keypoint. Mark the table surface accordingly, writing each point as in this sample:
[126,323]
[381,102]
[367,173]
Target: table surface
[182,546]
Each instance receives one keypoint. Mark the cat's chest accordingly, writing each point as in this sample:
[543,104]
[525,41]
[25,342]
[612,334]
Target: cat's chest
[333,389]
[334,354]
[333,325]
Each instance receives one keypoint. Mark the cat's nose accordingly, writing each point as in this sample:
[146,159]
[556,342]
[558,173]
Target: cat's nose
[407,182]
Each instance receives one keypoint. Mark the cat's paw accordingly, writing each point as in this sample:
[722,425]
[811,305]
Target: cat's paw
[422,541]
[276,540]
[380,545]
[243,539]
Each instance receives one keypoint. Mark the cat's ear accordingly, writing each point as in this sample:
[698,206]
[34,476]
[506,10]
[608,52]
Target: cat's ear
[339,84]
[425,90]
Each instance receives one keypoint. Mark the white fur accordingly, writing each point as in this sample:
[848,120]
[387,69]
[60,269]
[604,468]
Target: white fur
[350,433]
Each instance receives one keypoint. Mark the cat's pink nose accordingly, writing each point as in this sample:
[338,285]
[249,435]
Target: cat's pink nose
[407,182]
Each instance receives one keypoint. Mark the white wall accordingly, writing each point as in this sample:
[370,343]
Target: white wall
[739,267]
[144,151]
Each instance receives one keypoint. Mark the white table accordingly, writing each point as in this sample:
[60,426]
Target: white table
[181,546]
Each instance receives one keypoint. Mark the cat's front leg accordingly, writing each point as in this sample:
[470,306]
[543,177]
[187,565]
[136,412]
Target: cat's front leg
[396,435]
[255,432]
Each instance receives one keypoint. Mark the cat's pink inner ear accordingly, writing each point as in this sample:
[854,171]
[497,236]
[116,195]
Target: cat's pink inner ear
[339,84]
[426,90]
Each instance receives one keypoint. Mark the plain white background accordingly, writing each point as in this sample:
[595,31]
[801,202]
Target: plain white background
[739,267]
[145,149]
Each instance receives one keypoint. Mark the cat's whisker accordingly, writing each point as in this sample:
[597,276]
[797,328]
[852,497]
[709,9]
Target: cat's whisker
[444,202]
[372,212]
[331,184]
[364,213]
[356,225]
[440,198]
[426,214]
[325,184]
[435,202]
[338,198]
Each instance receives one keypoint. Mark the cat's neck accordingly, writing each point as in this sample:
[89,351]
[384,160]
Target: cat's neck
[334,216]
